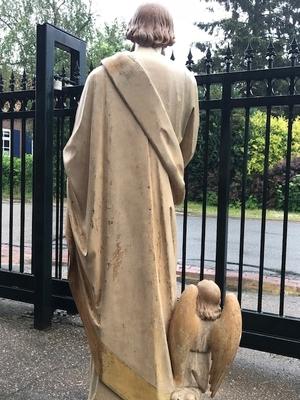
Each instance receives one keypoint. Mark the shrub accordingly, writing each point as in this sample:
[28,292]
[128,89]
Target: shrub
[276,184]
[278,141]
[294,194]
[278,148]
[16,174]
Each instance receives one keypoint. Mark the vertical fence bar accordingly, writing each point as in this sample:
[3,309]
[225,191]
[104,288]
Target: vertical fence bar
[243,195]
[264,201]
[1,169]
[57,194]
[223,189]
[204,192]
[184,229]
[42,199]
[62,194]
[248,59]
[264,210]
[293,52]
[32,192]
[243,203]
[208,61]
[189,65]
[22,190]
[286,209]
[270,57]
[23,175]
[11,194]
[33,106]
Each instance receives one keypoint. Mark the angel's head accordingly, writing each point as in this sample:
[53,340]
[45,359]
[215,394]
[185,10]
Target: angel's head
[151,26]
[208,301]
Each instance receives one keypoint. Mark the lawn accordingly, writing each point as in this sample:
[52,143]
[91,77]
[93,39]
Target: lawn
[234,212]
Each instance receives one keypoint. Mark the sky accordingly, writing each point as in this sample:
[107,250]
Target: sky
[185,13]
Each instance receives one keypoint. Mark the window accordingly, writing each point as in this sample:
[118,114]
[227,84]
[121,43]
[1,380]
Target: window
[5,141]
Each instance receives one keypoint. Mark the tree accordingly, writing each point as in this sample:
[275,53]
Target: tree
[18,19]
[259,21]
[107,41]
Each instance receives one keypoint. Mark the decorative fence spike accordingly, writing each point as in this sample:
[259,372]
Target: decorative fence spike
[33,83]
[208,61]
[294,52]
[24,80]
[12,81]
[63,75]
[228,58]
[249,55]
[270,54]
[172,56]
[1,82]
[33,87]
[190,62]
[76,73]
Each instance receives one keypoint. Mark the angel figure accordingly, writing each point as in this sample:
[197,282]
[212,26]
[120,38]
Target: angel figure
[203,339]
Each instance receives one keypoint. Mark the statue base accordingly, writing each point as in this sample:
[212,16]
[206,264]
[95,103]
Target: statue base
[98,391]
[187,394]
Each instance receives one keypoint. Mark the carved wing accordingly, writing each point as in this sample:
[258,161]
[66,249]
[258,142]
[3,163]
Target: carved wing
[183,330]
[224,341]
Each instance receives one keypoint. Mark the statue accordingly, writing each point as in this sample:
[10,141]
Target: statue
[135,130]
[203,341]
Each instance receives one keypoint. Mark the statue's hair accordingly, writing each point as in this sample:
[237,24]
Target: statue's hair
[208,302]
[151,26]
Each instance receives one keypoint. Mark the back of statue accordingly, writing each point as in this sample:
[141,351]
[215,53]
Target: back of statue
[135,130]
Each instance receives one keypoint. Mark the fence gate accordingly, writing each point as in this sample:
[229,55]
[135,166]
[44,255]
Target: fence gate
[45,109]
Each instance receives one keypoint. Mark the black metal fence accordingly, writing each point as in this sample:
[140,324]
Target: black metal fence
[17,115]
[47,112]
[266,326]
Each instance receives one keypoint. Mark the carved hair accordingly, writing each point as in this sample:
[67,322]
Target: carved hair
[208,301]
[151,26]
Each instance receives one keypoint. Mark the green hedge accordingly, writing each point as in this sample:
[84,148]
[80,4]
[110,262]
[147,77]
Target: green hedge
[278,141]
[256,145]
[16,175]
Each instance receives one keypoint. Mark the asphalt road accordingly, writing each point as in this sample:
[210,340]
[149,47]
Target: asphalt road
[273,246]
[17,223]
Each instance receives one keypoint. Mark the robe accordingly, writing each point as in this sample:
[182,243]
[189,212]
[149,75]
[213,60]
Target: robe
[135,129]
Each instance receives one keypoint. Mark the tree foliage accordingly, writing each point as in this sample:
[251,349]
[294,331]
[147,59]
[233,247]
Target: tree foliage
[18,19]
[107,41]
[256,156]
[254,20]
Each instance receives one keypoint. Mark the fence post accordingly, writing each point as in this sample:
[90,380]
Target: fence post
[223,189]
[48,38]
[43,180]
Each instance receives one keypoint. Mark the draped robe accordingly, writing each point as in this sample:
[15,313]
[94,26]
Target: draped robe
[135,129]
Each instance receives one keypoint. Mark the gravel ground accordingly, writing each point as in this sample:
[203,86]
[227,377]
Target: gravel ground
[54,364]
